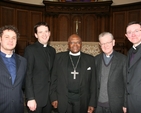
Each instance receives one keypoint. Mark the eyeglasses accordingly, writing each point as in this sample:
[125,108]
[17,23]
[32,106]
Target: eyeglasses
[135,32]
[107,43]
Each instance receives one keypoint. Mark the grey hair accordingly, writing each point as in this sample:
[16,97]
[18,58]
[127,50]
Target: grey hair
[106,33]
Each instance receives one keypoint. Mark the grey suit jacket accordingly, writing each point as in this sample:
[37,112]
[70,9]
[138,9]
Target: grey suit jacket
[11,95]
[116,80]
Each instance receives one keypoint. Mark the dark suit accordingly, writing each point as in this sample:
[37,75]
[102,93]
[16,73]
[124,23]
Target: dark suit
[59,82]
[38,72]
[11,95]
[116,80]
[134,83]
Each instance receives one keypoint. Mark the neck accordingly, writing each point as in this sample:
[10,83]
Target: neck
[10,52]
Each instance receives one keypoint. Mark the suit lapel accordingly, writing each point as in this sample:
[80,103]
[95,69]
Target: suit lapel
[99,67]
[135,59]
[82,67]
[114,63]
[65,65]
[3,66]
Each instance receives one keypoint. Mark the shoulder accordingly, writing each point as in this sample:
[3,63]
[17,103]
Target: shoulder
[20,57]
[119,55]
[51,48]
[31,47]
[86,54]
[98,56]
[62,53]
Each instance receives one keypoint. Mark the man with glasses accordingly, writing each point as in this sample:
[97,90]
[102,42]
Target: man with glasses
[133,33]
[110,73]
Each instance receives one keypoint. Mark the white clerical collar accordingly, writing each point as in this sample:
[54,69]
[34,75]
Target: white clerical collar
[74,54]
[8,56]
[135,46]
[45,45]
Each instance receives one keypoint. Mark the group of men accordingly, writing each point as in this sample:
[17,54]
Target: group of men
[70,81]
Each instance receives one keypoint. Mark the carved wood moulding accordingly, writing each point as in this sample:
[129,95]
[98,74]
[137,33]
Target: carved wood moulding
[77,7]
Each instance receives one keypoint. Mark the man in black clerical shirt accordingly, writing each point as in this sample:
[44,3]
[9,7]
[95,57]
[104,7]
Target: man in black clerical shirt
[40,57]
[73,80]
[133,34]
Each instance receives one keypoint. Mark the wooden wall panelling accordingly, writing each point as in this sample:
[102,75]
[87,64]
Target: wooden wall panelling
[77,24]
[7,16]
[63,27]
[70,12]
[90,27]
[118,30]
[23,23]
[134,15]
[119,23]
[36,16]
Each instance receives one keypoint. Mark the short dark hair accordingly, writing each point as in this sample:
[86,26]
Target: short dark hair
[9,27]
[133,22]
[40,24]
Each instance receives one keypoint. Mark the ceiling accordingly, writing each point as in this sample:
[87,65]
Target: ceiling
[115,2]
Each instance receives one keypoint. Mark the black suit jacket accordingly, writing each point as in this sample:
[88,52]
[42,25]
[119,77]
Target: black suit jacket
[134,83]
[38,73]
[11,95]
[116,80]
[59,90]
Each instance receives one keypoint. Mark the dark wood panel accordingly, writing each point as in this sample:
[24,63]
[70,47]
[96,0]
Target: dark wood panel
[134,15]
[7,16]
[35,18]
[63,27]
[119,25]
[23,23]
[90,28]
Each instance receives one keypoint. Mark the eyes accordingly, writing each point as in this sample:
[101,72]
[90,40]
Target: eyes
[72,43]
[8,37]
[40,32]
[135,32]
[107,43]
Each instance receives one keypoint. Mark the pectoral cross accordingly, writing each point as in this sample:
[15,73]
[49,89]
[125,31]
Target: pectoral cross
[76,26]
[74,74]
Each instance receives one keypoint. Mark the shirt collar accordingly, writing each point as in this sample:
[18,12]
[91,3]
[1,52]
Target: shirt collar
[74,54]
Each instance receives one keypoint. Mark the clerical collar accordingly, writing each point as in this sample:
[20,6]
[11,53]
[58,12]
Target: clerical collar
[6,55]
[109,56]
[43,45]
[137,46]
[74,54]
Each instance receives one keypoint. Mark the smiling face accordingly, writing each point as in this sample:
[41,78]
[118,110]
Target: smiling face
[42,34]
[133,33]
[74,43]
[107,43]
[8,41]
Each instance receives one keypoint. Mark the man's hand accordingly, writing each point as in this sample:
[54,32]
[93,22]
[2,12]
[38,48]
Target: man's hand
[55,104]
[90,109]
[124,109]
[32,105]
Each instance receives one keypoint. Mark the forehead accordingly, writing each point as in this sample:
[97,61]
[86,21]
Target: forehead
[11,32]
[42,27]
[74,38]
[105,38]
[133,27]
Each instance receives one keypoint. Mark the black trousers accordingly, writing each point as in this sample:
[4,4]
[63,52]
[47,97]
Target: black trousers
[45,109]
[100,109]
[73,107]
